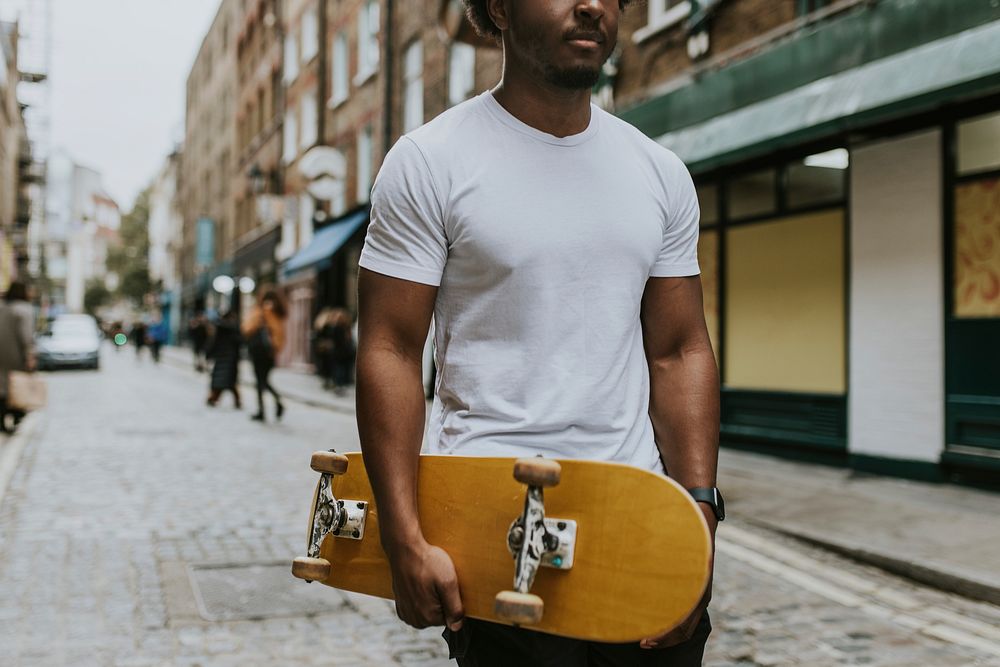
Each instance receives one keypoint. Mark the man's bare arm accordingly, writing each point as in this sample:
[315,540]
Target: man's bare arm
[684,401]
[684,379]
[394,317]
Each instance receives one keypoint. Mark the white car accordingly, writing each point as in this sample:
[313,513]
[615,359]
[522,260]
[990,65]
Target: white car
[70,341]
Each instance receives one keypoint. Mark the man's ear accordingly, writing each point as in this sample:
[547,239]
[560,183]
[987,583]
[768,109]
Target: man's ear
[497,10]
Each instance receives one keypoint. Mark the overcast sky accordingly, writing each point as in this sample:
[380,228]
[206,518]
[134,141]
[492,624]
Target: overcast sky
[118,74]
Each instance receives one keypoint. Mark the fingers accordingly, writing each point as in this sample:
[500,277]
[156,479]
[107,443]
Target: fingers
[451,603]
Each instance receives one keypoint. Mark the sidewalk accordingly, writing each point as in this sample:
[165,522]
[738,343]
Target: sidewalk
[942,535]
[297,385]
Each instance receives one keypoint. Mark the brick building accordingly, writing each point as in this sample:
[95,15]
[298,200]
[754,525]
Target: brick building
[258,174]
[208,161]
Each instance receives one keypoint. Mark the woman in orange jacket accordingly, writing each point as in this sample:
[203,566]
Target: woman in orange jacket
[264,329]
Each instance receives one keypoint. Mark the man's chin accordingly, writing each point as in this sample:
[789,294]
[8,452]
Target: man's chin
[574,78]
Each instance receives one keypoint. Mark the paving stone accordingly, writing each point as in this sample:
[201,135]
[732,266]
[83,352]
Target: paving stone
[157,484]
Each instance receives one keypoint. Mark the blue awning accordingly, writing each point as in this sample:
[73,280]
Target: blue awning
[325,244]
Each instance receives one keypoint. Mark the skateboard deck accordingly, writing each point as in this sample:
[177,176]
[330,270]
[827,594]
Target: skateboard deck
[638,562]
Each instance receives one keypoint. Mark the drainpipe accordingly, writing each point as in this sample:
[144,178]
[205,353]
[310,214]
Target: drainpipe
[322,67]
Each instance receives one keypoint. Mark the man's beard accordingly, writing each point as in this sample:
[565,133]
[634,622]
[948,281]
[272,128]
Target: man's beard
[573,78]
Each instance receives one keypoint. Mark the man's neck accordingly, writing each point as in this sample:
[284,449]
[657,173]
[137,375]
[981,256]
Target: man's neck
[543,106]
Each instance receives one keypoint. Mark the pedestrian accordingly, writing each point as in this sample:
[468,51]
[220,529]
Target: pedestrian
[224,351]
[139,334]
[17,343]
[344,351]
[323,345]
[198,333]
[264,330]
[157,336]
[556,247]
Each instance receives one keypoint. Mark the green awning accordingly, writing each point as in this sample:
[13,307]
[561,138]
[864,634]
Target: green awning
[919,79]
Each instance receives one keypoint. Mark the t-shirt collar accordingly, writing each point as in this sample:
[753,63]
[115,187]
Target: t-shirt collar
[495,109]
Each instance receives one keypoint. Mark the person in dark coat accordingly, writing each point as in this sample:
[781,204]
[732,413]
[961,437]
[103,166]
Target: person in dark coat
[344,350]
[17,343]
[198,331]
[323,340]
[224,351]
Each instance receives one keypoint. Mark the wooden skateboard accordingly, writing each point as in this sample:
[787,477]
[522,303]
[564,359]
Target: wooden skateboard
[606,552]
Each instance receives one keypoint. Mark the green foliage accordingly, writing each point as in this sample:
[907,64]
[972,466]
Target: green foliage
[95,296]
[130,260]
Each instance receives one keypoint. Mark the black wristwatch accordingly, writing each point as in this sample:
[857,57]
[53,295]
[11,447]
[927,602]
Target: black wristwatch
[713,497]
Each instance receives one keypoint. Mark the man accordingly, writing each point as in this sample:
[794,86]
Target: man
[556,247]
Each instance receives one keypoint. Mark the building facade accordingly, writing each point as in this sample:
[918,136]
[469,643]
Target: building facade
[15,159]
[847,157]
[166,226]
[208,161]
[258,175]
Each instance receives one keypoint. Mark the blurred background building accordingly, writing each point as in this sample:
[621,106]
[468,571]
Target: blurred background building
[847,158]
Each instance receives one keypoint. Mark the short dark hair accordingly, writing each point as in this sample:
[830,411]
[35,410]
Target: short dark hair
[479,17]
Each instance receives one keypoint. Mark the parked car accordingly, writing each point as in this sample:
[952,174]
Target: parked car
[70,341]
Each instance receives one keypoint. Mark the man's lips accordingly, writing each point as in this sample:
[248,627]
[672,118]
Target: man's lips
[588,39]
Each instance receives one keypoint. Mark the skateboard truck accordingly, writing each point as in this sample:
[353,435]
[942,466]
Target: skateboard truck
[534,542]
[341,518]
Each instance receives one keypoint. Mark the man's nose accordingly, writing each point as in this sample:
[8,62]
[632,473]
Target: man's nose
[592,10]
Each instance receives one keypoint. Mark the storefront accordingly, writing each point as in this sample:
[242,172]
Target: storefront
[323,274]
[850,246]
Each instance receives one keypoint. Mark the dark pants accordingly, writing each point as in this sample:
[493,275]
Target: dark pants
[262,371]
[483,644]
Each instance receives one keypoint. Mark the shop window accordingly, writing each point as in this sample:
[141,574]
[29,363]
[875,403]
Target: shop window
[310,35]
[818,179]
[339,66]
[368,46]
[310,121]
[708,260]
[979,145]
[752,195]
[365,164]
[413,87]
[977,249]
[708,202]
[785,305]
[461,72]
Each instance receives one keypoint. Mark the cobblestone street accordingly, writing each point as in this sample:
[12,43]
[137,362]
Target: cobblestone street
[132,502]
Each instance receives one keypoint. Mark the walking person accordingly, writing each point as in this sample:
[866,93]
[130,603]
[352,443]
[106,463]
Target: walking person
[139,335]
[224,351]
[198,333]
[264,330]
[344,351]
[157,337]
[17,342]
[556,247]
[323,345]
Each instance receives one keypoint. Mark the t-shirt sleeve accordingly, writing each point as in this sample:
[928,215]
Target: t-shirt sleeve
[679,253]
[406,238]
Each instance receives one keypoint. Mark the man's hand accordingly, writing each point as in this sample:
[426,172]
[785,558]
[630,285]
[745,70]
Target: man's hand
[425,586]
[685,630]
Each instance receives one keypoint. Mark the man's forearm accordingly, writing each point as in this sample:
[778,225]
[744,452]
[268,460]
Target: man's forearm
[390,413]
[684,408]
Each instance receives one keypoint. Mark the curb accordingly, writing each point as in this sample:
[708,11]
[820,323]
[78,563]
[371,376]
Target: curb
[933,575]
[10,453]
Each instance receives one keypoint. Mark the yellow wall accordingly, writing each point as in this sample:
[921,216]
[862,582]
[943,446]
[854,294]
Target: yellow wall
[785,308]
[708,260]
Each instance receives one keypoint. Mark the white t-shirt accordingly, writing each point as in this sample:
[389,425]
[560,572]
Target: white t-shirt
[541,247]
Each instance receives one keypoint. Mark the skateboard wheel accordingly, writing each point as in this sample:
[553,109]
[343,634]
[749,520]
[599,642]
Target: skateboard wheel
[311,569]
[329,462]
[537,472]
[518,608]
